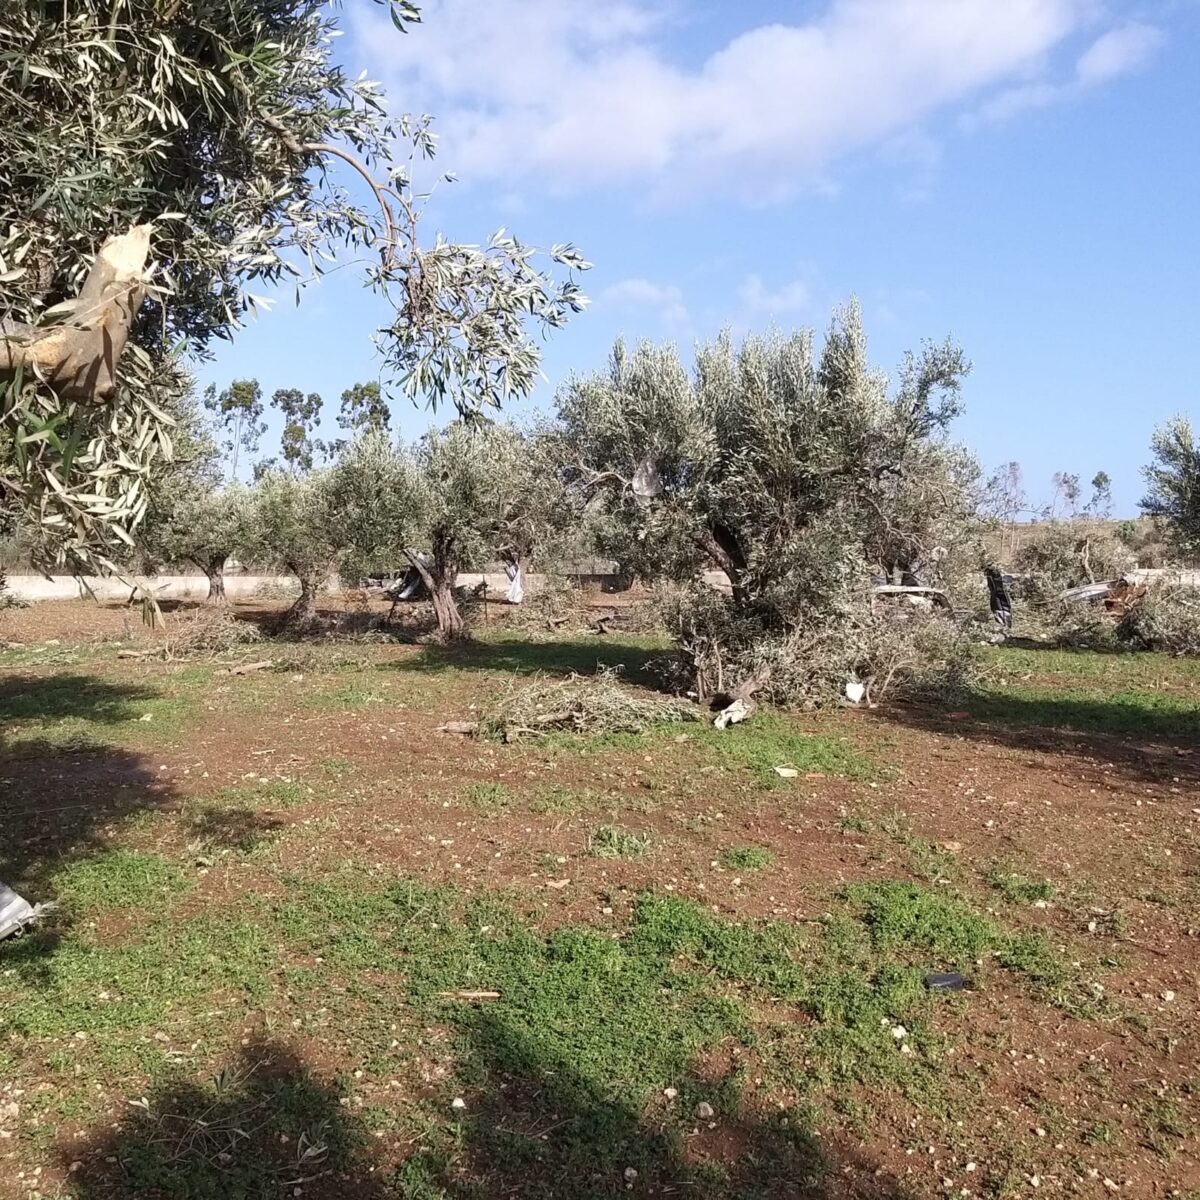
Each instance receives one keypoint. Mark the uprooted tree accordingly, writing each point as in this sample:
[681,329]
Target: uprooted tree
[793,473]
[158,161]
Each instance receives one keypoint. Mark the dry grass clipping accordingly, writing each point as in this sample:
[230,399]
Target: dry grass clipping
[591,704]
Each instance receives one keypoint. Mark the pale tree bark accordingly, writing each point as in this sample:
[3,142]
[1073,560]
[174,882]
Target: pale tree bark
[78,358]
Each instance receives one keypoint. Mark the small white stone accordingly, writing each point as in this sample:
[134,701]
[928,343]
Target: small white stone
[670,1093]
[704,1111]
[1168,996]
[630,1174]
[458,1102]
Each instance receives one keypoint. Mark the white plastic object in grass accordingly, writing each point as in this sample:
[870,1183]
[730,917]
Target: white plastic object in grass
[16,912]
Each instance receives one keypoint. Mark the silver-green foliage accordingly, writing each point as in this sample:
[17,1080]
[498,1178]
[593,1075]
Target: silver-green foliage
[1173,484]
[792,470]
[232,128]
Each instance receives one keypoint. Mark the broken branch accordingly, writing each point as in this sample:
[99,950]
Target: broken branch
[78,359]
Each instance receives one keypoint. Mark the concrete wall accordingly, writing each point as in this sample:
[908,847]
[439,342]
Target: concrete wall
[31,588]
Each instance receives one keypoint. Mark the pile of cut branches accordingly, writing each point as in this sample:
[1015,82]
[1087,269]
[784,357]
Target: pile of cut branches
[591,704]
[208,632]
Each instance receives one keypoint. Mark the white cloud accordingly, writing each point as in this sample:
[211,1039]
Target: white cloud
[664,299]
[1115,53]
[577,95]
[759,299]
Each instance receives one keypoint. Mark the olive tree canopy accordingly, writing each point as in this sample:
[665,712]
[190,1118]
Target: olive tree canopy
[1173,483]
[481,492]
[793,471]
[161,162]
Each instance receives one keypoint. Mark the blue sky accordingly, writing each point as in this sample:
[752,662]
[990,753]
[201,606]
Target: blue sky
[1023,175]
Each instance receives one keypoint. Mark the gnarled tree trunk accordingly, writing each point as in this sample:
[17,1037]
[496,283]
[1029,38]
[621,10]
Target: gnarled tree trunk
[214,571]
[439,582]
[303,612]
[78,358]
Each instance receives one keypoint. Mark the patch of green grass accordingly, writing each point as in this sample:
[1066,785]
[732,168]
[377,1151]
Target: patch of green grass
[117,879]
[611,841]
[351,696]
[1164,1125]
[746,858]
[1148,695]
[601,1024]
[78,711]
[157,972]
[1099,1133]
[1018,888]
[265,793]
[928,860]
[515,654]
[770,741]
[253,1130]
[909,918]
[586,800]
[215,828]
[488,795]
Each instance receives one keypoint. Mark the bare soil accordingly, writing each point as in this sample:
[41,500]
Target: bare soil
[1112,822]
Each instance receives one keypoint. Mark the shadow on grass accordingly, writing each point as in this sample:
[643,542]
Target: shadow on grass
[239,829]
[269,1125]
[519,657]
[66,697]
[1143,739]
[57,807]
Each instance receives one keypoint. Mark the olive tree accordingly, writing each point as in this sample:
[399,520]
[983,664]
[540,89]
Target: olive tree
[482,492]
[786,469]
[191,515]
[160,163]
[207,528]
[312,522]
[1173,483]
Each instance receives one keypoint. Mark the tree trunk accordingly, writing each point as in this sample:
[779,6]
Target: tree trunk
[449,619]
[303,613]
[722,549]
[78,358]
[214,568]
[439,582]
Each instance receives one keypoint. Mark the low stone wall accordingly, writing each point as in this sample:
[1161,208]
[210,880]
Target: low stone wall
[31,588]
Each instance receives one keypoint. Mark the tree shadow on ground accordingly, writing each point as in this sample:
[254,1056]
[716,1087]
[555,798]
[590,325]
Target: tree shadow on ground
[637,664]
[269,1125]
[1141,742]
[60,697]
[58,806]
[239,829]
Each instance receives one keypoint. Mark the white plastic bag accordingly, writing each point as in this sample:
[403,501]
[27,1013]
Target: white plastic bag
[15,912]
[516,587]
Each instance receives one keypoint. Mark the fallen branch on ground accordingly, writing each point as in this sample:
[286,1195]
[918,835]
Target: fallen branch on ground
[247,668]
